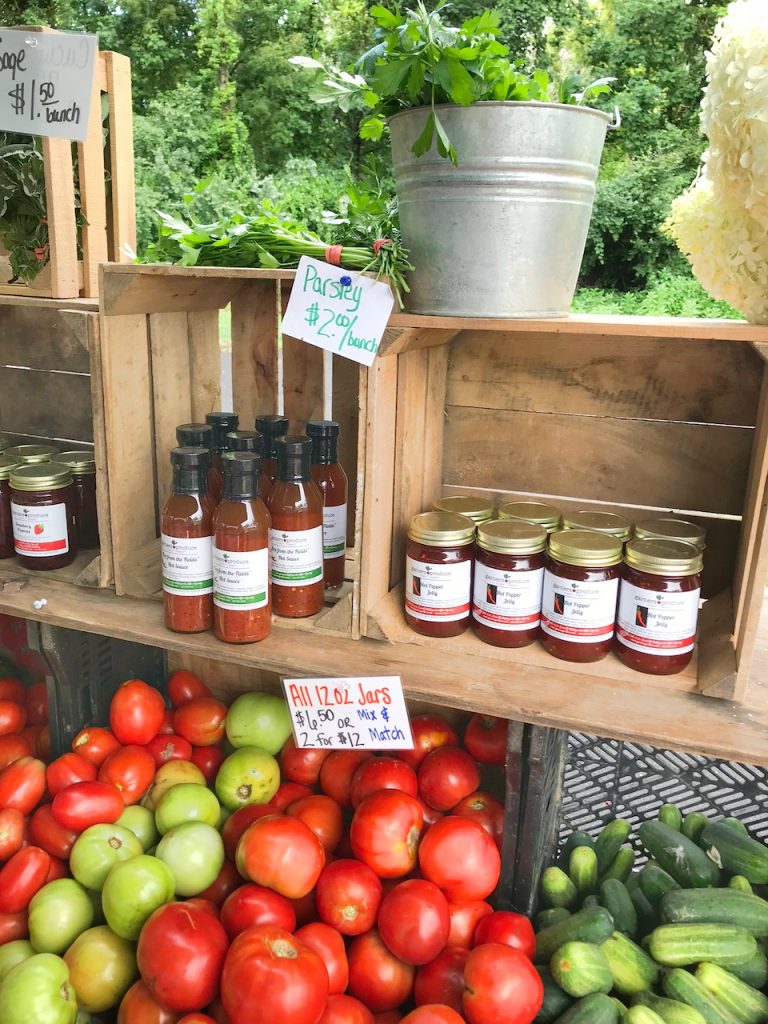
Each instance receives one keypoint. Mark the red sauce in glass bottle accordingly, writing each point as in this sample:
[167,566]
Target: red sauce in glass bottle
[187,546]
[43,515]
[220,423]
[83,469]
[252,441]
[508,579]
[438,573]
[200,435]
[296,536]
[271,428]
[6,523]
[242,609]
[332,481]
[659,605]
[581,585]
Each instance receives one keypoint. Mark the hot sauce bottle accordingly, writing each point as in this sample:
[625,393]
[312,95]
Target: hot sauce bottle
[271,427]
[200,435]
[242,611]
[251,441]
[186,531]
[332,481]
[221,423]
[296,536]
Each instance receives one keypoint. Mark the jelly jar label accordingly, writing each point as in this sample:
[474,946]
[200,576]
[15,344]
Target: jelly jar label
[507,600]
[583,613]
[654,623]
[297,557]
[438,593]
[240,579]
[187,565]
[40,530]
[335,530]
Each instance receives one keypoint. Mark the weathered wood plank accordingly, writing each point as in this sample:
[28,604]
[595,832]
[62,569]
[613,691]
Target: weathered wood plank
[169,348]
[204,363]
[45,402]
[254,351]
[46,338]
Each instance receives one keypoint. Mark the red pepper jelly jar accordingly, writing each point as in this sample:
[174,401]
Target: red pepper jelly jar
[509,574]
[43,515]
[6,524]
[438,573]
[581,585]
[659,605]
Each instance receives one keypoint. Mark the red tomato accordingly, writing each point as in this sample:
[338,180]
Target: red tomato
[167,727]
[13,717]
[12,689]
[185,685]
[136,712]
[139,1007]
[270,976]
[288,793]
[22,784]
[376,977]
[465,918]
[433,1013]
[281,853]
[13,926]
[348,896]
[208,760]
[385,832]
[239,821]
[486,739]
[486,810]
[12,825]
[305,909]
[510,929]
[43,743]
[342,1009]
[460,857]
[21,877]
[389,1017]
[299,764]
[66,770]
[382,773]
[430,814]
[447,775]
[87,803]
[58,868]
[329,946]
[413,921]
[180,956]
[227,880]
[170,747]
[131,769]
[201,721]
[95,744]
[252,905]
[499,978]
[217,1012]
[323,816]
[48,834]
[336,773]
[12,748]
[197,1018]
[429,733]
[442,980]
[36,704]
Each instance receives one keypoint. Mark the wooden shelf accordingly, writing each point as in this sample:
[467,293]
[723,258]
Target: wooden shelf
[447,673]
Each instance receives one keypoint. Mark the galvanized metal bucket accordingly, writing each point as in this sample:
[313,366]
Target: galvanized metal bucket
[501,234]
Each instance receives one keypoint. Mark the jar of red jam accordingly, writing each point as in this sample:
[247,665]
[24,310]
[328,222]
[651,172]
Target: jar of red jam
[83,468]
[31,454]
[609,523]
[438,573]
[581,586]
[659,605]
[672,528]
[532,512]
[509,573]
[479,510]
[43,515]
[6,525]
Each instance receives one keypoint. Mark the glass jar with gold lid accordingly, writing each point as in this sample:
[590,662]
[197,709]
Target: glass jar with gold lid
[581,586]
[659,605]
[479,510]
[438,573]
[532,512]
[4,444]
[43,515]
[83,468]
[672,528]
[599,522]
[31,454]
[6,525]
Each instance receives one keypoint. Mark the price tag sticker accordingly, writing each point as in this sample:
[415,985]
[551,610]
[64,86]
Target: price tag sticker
[367,713]
[46,79]
[338,310]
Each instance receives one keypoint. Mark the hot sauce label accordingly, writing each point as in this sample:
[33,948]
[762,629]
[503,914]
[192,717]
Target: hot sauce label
[40,530]
[335,530]
[507,600]
[187,565]
[437,593]
[582,613]
[240,579]
[297,557]
[655,623]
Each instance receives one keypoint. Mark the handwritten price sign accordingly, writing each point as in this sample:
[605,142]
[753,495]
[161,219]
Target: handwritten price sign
[341,714]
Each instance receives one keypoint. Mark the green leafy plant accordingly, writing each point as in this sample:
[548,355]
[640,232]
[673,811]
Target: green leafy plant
[23,227]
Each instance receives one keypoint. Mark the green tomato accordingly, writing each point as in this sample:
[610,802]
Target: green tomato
[58,913]
[194,852]
[97,850]
[102,967]
[186,802]
[13,953]
[141,821]
[83,1017]
[134,889]
[38,990]
[259,720]
[249,776]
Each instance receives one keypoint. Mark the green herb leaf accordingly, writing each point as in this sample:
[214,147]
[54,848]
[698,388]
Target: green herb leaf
[423,144]
[372,128]
[386,18]
[444,145]
[454,79]
[390,77]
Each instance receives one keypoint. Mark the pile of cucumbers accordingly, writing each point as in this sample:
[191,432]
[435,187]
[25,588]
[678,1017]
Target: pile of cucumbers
[682,940]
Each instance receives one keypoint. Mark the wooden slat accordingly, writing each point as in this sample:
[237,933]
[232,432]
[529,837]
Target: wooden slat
[93,199]
[60,213]
[753,513]
[254,350]
[45,402]
[106,565]
[204,363]
[716,653]
[302,383]
[169,348]
[123,242]
[348,386]
[36,302]
[406,339]
[123,294]
[46,338]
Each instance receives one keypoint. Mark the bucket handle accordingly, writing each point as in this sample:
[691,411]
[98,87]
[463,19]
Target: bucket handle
[615,121]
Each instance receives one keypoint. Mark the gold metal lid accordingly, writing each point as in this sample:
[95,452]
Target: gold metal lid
[4,443]
[476,509]
[662,557]
[436,529]
[78,462]
[512,537]
[31,453]
[585,547]
[6,465]
[49,476]
[599,522]
[532,512]
[671,528]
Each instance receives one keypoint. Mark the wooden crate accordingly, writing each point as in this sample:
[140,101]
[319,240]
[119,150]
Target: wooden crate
[51,391]
[635,415]
[109,207]
[162,363]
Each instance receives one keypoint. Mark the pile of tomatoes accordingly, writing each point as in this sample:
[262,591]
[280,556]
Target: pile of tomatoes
[191,864]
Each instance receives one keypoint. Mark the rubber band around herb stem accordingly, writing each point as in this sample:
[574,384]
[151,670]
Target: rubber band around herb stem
[379,244]
[333,254]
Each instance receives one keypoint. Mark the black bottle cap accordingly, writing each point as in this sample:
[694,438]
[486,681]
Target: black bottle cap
[190,469]
[294,457]
[222,423]
[195,435]
[271,427]
[241,475]
[245,441]
[324,435]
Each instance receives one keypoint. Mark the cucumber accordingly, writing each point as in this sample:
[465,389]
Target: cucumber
[557,890]
[677,945]
[547,917]
[740,883]
[671,815]
[682,986]
[621,1009]
[582,868]
[555,1000]
[581,968]
[590,901]
[592,925]
[688,865]
[655,883]
[611,839]
[670,1010]
[754,971]
[716,906]
[594,1009]
[632,969]
[738,854]
[694,824]
[744,1002]
[622,865]
[577,838]
[617,901]
[643,1015]
[737,825]
[646,915]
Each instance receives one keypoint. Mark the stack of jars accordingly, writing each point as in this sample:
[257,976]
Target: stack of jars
[256,522]
[581,585]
